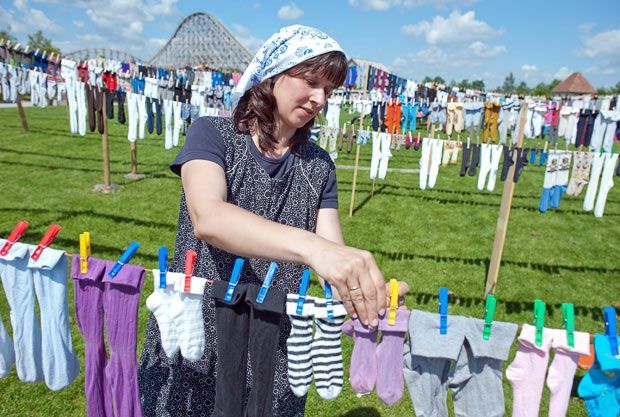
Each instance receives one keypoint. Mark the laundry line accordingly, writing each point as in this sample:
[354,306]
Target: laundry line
[401,170]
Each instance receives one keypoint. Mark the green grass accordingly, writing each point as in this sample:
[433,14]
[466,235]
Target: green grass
[433,238]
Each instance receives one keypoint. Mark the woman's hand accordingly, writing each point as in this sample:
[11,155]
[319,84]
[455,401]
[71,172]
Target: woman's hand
[356,277]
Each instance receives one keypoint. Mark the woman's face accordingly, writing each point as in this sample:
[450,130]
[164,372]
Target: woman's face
[300,99]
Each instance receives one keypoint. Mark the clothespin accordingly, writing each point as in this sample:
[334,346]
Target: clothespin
[234,279]
[84,251]
[271,272]
[163,266]
[303,289]
[125,258]
[611,329]
[329,302]
[540,309]
[47,240]
[393,302]
[190,261]
[14,237]
[443,310]
[568,318]
[489,313]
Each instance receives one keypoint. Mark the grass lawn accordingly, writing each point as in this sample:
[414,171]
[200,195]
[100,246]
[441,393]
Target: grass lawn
[432,238]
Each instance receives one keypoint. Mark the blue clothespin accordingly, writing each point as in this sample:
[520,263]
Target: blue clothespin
[303,289]
[329,302]
[125,258]
[611,329]
[443,310]
[273,268]
[234,279]
[163,265]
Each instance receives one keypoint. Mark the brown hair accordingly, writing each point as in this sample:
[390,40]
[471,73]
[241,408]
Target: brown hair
[256,110]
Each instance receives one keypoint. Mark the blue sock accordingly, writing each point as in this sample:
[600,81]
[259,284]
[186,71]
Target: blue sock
[533,156]
[543,158]
[545,198]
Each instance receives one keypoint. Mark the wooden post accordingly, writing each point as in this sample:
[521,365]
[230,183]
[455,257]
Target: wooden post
[106,146]
[134,158]
[357,160]
[504,214]
[22,115]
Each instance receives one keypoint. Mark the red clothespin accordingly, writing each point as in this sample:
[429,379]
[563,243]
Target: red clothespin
[14,237]
[190,261]
[47,240]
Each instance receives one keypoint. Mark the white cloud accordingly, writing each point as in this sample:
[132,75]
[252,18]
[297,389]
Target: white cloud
[562,73]
[592,70]
[383,5]
[250,42]
[38,20]
[78,23]
[529,68]
[399,62]
[603,43]
[483,50]
[157,43]
[21,5]
[586,27]
[290,12]
[430,56]
[12,24]
[609,71]
[457,28]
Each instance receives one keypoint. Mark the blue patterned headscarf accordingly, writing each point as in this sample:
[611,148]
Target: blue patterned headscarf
[285,49]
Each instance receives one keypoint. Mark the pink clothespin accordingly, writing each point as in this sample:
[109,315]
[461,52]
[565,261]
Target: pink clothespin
[190,261]
[47,240]
[14,237]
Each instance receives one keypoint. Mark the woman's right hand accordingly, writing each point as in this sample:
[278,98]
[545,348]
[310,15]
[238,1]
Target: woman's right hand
[355,275]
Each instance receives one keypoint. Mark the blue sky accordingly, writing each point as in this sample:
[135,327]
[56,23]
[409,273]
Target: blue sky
[457,39]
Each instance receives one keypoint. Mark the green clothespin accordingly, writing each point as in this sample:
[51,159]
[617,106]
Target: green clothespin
[489,312]
[540,308]
[568,317]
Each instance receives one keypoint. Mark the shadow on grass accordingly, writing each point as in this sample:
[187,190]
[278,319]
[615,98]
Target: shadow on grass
[511,306]
[362,412]
[551,269]
[367,198]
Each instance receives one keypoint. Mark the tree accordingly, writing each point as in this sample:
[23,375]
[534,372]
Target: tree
[4,34]
[615,89]
[452,84]
[478,85]
[465,84]
[522,89]
[542,89]
[439,80]
[427,79]
[38,41]
[509,84]
[554,84]
[601,91]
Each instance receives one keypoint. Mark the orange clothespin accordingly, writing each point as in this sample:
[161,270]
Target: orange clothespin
[393,302]
[47,240]
[84,251]
[190,261]
[14,237]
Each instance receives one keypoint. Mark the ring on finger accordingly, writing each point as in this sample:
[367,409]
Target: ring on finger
[354,288]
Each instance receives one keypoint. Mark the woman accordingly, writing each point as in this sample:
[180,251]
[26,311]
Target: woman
[255,187]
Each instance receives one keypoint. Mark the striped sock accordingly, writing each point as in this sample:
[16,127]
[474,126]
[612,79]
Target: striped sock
[327,349]
[298,345]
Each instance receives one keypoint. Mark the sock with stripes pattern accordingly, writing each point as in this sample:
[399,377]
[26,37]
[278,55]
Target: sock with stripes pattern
[327,349]
[159,302]
[299,344]
[186,314]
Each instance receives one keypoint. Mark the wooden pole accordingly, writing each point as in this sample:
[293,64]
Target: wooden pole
[134,157]
[357,160]
[22,115]
[106,146]
[504,214]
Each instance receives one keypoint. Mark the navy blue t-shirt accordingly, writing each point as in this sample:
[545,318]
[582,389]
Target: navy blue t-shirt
[204,141]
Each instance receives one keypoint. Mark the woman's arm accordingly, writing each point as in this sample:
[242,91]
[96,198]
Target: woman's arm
[245,234]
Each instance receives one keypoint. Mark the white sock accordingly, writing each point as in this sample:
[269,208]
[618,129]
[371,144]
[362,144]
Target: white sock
[7,354]
[160,303]
[327,349]
[436,151]
[376,155]
[386,154]
[496,155]
[485,165]
[298,345]
[607,182]
[186,312]
[425,162]
[597,168]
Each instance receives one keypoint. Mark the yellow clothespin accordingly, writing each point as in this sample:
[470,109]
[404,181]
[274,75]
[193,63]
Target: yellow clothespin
[84,251]
[393,302]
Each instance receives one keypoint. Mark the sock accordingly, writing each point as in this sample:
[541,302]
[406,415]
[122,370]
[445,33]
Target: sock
[160,303]
[521,163]
[496,154]
[327,349]
[543,158]
[597,390]
[475,159]
[416,145]
[533,156]
[7,354]
[186,314]
[436,149]
[508,162]
[549,187]
[448,147]
[607,184]
[390,380]
[465,161]
[425,162]
[485,164]
[455,152]
[298,345]
[363,368]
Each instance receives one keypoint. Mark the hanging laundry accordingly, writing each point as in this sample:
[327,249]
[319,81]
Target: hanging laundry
[333,111]
[603,166]
[490,156]
[112,384]
[460,360]
[491,118]
[567,127]
[473,117]
[581,173]
[450,152]
[604,130]
[585,127]
[429,162]
[381,155]
[527,371]
[43,350]
[504,121]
